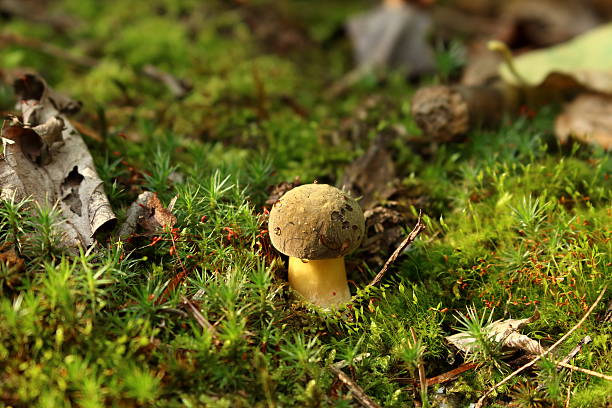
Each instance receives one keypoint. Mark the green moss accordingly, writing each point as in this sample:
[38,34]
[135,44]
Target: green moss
[514,223]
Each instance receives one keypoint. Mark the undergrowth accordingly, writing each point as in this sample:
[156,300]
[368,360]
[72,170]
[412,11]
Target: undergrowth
[515,223]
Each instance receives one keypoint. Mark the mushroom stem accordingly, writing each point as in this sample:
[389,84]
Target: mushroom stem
[322,282]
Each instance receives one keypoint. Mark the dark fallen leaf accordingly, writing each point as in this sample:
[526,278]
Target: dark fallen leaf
[393,37]
[544,23]
[372,176]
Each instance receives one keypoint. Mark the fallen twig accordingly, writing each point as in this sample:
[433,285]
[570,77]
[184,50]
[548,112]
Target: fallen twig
[418,228]
[442,378]
[202,321]
[355,389]
[177,87]
[583,370]
[540,356]
[586,340]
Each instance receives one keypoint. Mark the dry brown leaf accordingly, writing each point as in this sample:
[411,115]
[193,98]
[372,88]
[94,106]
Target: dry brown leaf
[148,213]
[587,119]
[9,257]
[48,161]
[482,66]
[371,176]
[157,216]
[501,331]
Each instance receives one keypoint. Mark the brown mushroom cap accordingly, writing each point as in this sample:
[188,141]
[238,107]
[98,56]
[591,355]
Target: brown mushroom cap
[316,221]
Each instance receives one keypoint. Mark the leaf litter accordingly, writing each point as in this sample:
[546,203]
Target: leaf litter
[45,158]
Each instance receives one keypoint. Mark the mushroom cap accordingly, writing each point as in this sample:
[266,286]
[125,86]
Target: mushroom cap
[316,221]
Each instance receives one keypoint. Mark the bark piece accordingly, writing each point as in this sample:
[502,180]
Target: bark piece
[587,119]
[50,162]
[444,113]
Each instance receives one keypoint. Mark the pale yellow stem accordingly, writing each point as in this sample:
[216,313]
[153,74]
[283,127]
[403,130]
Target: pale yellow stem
[322,282]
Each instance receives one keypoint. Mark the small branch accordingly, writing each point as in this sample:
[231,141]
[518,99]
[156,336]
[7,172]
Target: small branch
[482,399]
[576,350]
[583,370]
[355,389]
[418,228]
[586,340]
[202,321]
[177,87]
[442,378]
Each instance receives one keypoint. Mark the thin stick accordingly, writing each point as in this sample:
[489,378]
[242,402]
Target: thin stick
[535,360]
[586,340]
[442,378]
[398,251]
[422,376]
[177,87]
[355,389]
[202,321]
[583,370]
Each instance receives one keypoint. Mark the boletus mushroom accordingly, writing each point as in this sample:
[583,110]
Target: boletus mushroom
[316,225]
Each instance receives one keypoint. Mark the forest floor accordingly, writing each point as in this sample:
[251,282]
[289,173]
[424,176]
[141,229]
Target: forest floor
[515,224]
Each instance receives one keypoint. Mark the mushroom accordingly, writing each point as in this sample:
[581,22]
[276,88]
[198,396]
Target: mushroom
[316,225]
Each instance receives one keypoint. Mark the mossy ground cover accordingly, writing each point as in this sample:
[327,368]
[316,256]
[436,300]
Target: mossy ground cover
[515,223]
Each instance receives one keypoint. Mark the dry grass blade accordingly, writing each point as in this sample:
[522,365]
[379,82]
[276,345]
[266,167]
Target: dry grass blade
[418,228]
[355,389]
[482,399]
[421,367]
